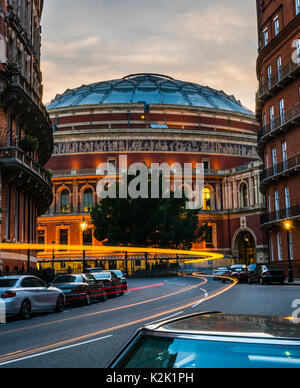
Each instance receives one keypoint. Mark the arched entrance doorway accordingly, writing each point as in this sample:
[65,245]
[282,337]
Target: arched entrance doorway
[245,248]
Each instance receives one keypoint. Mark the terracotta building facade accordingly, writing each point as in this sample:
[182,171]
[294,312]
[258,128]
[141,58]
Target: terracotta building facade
[26,139]
[153,118]
[278,110]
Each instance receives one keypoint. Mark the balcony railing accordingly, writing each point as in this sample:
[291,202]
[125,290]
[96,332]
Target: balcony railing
[15,154]
[282,76]
[280,168]
[93,172]
[280,215]
[290,117]
[18,80]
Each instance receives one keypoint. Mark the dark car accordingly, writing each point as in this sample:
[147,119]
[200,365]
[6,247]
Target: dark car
[267,274]
[113,285]
[239,272]
[220,272]
[214,340]
[122,277]
[80,288]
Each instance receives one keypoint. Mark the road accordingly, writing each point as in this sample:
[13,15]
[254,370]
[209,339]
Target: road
[89,336]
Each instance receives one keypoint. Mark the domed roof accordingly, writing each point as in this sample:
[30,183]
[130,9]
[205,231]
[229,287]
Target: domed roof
[149,89]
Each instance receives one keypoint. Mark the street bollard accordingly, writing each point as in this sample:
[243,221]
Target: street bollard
[2,311]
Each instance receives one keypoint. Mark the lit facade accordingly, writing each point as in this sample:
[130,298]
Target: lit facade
[156,119]
[26,139]
[278,110]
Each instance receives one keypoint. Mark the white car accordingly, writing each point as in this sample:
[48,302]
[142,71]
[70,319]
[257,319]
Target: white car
[24,295]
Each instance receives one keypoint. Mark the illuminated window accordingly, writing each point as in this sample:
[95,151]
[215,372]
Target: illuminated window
[41,236]
[88,237]
[88,201]
[206,199]
[65,202]
[244,196]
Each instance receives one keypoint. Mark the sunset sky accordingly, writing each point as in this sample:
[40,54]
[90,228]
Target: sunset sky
[210,43]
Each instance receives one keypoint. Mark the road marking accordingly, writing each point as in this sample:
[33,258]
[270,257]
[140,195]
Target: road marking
[170,316]
[7,357]
[55,350]
[201,300]
[185,289]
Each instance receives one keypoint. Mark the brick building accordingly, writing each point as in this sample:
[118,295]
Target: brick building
[26,139]
[278,110]
[155,119]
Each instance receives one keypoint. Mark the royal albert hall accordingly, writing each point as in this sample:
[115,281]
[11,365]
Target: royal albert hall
[154,118]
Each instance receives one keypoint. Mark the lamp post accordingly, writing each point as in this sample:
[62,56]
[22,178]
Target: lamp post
[53,256]
[83,227]
[288,227]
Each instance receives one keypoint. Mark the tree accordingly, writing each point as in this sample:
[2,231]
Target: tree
[161,223]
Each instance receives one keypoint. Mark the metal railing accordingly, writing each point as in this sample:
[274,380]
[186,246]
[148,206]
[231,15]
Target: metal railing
[280,215]
[18,80]
[279,122]
[282,167]
[26,161]
[282,75]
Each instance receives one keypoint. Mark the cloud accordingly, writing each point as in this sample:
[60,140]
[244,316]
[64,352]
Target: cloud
[194,40]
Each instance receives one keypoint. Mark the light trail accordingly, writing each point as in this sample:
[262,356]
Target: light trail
[4,359]
[109,249]
[185,289]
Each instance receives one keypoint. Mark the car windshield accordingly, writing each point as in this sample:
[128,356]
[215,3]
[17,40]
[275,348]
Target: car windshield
[8,282]
[273,267]
[101,275]
[157,352]
[65,279]
[118,273]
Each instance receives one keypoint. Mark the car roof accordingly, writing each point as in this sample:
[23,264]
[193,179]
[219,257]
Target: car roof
[18,277]
[230,325]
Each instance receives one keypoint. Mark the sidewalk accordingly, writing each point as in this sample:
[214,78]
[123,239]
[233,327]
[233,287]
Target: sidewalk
[296,282]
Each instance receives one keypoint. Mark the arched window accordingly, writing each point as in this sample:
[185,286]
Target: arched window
[244,195]
[207,199]
[88,201]
[65,202]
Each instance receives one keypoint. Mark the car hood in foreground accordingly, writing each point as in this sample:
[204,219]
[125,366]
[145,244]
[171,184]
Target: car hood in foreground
[232,325]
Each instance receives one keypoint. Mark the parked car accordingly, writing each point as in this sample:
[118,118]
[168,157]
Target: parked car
[267,274]
[220,272]
[113,285]
[213,340]
[239,272]
[122,277]
[80,288]
[25,295]
[252,267]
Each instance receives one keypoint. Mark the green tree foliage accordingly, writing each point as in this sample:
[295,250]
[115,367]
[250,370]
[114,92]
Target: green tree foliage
[162,223]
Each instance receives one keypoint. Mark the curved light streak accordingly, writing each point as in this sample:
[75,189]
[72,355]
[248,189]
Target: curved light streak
[109,249]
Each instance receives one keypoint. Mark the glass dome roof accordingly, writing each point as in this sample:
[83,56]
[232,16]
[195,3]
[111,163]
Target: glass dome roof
[149,89]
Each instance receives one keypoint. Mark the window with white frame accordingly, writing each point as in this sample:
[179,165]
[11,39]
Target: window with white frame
[297,6]
[266,37]
[279,246]
[279,68]
[281,109]
[276,25]
[269,72]
[272,118]
[277,205]
[287,201]
[274,160]
[284,155]
[271,246]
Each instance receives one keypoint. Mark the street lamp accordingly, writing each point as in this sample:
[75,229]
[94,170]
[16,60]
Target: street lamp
[288,227]
[83,227]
